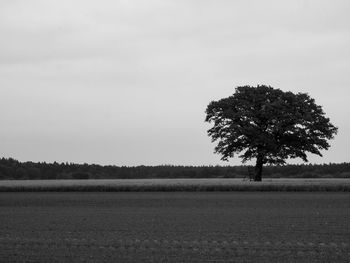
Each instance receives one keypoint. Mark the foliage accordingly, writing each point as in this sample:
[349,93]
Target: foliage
[30,170]
[269,125]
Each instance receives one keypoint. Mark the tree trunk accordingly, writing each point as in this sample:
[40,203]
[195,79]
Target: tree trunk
[258,168]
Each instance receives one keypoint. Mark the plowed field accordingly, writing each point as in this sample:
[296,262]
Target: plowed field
[175,227]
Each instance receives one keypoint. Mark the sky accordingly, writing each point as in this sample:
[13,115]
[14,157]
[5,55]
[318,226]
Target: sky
[127,82]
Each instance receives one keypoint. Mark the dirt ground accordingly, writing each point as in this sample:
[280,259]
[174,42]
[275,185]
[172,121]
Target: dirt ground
[175,227]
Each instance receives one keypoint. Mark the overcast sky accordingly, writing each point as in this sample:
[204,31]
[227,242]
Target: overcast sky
[127,82]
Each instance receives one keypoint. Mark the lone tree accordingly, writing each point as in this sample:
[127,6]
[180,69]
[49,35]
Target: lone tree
[268,124]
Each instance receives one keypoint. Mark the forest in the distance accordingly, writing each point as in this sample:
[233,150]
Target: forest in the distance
[13,169]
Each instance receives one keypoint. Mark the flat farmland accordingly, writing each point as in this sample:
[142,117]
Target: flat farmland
[214,184]
[175,227]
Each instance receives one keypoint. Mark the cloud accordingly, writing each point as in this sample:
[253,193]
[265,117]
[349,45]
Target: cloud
[124,69]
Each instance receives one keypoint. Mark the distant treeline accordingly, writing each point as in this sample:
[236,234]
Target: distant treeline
[13,169]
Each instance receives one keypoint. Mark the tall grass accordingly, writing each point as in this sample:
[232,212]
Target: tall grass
[171,185]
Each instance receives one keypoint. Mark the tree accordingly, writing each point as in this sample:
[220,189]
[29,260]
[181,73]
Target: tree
[268,124]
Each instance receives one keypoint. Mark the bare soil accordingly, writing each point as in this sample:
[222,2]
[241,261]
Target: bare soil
[175,227]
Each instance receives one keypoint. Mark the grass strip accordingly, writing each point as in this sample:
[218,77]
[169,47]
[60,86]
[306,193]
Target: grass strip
[159,185]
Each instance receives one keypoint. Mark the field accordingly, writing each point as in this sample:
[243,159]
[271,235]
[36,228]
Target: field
[218,184]
[174,227]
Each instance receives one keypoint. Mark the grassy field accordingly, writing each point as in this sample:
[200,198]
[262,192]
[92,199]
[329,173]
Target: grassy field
[175,227]
[176,185]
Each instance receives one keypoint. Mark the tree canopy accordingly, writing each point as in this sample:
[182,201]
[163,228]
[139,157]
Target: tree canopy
[268,124]
[13,169]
